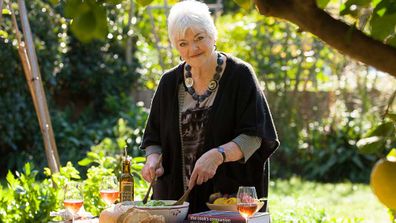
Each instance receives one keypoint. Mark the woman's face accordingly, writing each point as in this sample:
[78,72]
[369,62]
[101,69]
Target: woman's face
[196,47]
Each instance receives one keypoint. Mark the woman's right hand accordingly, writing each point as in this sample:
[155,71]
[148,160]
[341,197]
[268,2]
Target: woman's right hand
[149,170]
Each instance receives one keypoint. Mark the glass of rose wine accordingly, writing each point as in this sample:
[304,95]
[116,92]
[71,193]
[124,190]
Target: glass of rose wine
[247,201]
[73,197]
[109,190]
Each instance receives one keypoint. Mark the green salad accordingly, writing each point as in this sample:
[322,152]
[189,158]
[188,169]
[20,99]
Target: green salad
[151,203]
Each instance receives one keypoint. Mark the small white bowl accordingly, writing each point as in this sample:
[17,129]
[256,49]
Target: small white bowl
[171,213]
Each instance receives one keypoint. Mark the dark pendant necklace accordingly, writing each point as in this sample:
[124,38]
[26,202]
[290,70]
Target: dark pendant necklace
[213,84]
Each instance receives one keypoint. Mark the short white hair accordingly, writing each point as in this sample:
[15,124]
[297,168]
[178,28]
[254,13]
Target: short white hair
[190,14]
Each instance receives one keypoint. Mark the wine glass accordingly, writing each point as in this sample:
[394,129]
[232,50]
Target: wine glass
[109,190]
[247,201]
[73,197]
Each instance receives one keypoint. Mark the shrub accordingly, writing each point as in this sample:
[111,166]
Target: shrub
[87,87]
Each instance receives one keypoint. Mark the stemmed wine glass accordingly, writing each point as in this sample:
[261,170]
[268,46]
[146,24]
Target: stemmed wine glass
[247,201]
[73,197]
[109,190]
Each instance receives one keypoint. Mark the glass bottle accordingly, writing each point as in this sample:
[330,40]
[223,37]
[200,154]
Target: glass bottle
[126,180]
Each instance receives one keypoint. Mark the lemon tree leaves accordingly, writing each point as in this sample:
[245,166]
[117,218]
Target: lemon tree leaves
[383,21]
[89,18]
[382,17]
[352,6]
[376,140]
[322,3]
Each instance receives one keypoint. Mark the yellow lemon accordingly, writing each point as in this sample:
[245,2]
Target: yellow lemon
[220,200]
[383,181]
[231,200]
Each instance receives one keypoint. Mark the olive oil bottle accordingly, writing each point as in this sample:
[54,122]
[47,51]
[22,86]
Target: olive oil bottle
[126,179]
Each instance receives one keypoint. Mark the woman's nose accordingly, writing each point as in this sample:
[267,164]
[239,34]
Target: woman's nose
[194,46]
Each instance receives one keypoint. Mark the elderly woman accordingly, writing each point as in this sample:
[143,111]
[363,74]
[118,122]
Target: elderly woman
[209,118]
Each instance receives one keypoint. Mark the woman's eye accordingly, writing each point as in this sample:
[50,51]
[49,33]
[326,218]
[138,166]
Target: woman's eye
[200,38]
[182,44]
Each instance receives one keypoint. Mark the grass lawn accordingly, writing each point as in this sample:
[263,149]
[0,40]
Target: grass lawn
[294,200]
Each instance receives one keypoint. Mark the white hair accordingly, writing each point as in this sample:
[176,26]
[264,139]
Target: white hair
[190,14]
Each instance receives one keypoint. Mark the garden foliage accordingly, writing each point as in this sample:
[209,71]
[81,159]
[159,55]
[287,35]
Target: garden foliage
[28,199]
[87,87]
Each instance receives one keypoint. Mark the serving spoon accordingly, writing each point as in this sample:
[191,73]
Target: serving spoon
[183,198]
[152,181]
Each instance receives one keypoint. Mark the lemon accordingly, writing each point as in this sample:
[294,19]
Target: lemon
[220,200]
[383,181]
[231,200]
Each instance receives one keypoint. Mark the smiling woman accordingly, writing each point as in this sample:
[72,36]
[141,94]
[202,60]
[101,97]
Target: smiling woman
[208,116]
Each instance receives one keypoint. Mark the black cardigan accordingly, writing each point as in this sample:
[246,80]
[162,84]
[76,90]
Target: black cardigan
[239,107]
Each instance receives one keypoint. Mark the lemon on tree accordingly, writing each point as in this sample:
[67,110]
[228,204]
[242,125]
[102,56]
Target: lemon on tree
[383,174]
[383,180]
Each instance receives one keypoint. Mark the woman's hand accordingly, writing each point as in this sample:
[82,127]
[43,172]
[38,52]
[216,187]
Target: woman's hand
[149,170]
[205,167]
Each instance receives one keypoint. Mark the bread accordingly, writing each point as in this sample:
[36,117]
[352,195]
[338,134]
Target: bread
[136,216]
[153,219]
[110,215]
[127,214]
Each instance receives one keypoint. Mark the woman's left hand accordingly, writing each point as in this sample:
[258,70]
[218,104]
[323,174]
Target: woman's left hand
[205,167]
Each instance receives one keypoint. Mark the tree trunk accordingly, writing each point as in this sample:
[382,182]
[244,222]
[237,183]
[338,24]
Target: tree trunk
[347,39]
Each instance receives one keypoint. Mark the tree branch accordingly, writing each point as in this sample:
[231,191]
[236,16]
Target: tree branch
[345,38]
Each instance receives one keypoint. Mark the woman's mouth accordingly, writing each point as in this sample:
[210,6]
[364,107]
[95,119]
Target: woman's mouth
[196,55]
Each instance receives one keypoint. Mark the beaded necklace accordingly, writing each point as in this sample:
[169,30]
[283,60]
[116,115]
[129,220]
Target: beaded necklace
[213,84]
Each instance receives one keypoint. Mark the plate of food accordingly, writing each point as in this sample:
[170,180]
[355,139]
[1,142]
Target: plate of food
[222,202]
[225,202]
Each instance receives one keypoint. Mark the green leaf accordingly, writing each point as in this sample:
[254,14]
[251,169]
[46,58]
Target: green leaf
[84,25]
[73,8]
[3,34]
[384,130]
[85,162]
[11,180]
[109,162]
[144,2]
[392,154]
[101,28]
[351,7]
[6,12]
[47,171]
[245,4]
[27,168]
[371,145]
[322,3]
[139,159]
[382,26]
[93,156]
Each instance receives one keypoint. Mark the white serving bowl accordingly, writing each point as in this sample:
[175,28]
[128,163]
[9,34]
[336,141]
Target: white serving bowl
[171,213]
